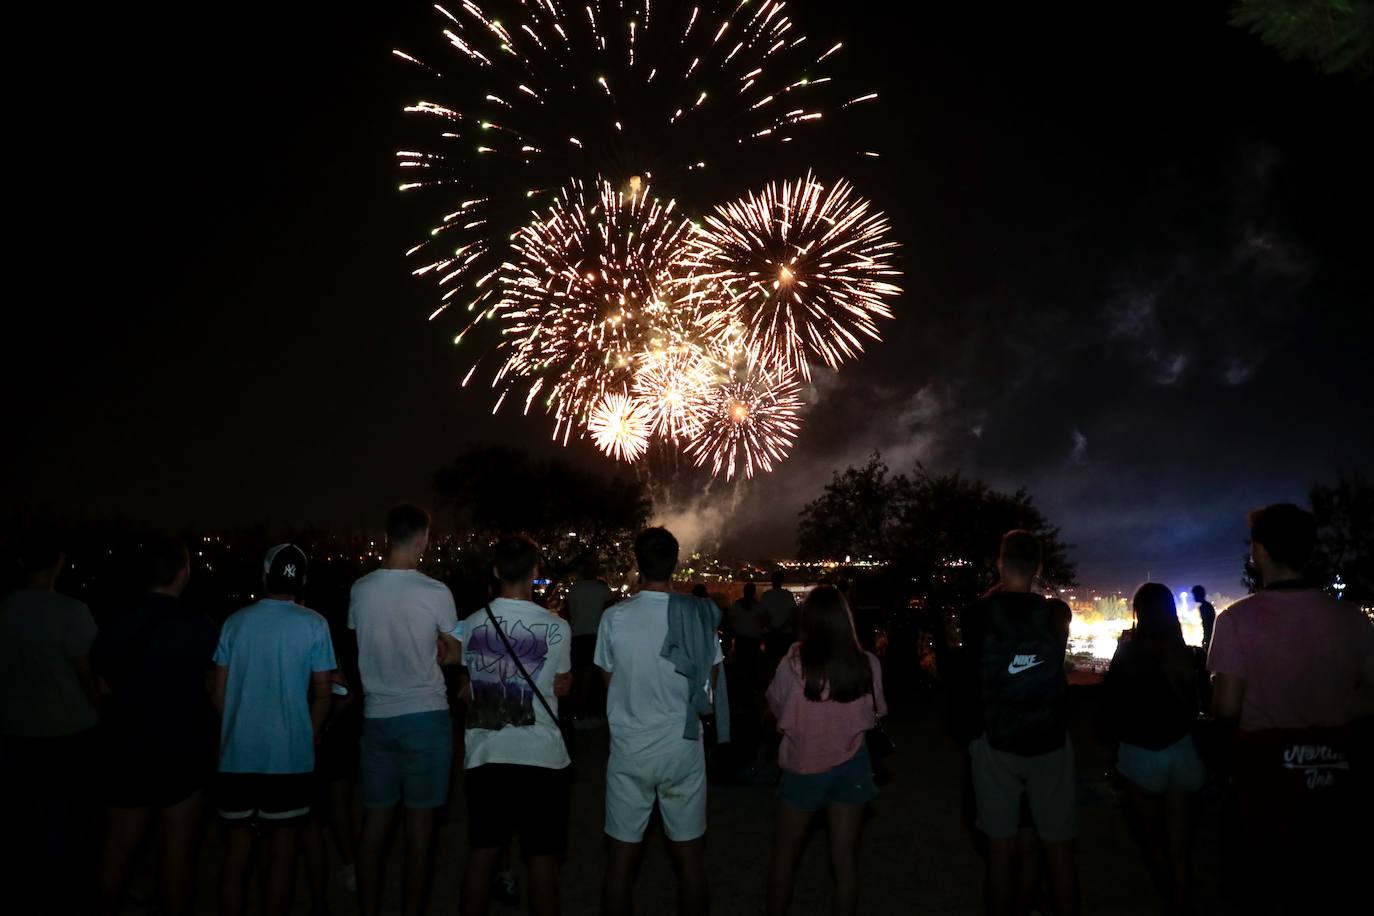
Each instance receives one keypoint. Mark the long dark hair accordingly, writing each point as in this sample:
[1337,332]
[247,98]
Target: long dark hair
[1159,638]
[830,653]
[1156,616]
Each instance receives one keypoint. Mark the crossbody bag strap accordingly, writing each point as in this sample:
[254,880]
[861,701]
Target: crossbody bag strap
[519,666]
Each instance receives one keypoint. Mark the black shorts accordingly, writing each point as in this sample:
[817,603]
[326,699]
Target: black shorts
[506,799]
[583,650]
[244,799]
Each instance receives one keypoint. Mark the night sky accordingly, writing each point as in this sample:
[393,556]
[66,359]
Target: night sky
[1138,256]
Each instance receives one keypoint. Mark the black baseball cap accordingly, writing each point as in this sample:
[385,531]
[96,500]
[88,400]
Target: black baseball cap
[285,565]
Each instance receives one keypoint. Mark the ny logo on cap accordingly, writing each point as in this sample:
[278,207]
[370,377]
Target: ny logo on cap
[290,571]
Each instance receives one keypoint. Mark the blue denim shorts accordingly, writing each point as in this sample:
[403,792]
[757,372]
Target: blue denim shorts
[1176,768]
[850,783]
[407,760]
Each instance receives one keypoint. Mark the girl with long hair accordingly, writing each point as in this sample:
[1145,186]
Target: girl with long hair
[826,694]
[1151,694]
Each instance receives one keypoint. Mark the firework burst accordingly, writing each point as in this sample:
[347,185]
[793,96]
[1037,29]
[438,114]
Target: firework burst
[530,92]
[676,386]
[805,269]
[752,422]
[620,426]
[624,320]
[583,297]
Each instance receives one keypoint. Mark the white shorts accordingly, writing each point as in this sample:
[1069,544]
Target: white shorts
[676,778]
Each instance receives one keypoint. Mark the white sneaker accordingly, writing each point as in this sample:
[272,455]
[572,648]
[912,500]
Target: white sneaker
[346,878]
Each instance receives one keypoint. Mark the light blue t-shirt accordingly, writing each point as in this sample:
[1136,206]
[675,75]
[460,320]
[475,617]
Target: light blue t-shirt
[271,648]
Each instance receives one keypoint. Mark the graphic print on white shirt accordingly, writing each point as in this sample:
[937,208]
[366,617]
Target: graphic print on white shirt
[500,694]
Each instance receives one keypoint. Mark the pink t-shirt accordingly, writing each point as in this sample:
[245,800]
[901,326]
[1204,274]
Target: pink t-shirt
[819,734]
[1300,653]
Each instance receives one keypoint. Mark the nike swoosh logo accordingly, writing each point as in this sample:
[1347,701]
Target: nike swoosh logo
[1014,668]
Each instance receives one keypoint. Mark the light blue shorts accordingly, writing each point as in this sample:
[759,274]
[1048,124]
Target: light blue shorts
[1176,768]
[407,760]
[850,783]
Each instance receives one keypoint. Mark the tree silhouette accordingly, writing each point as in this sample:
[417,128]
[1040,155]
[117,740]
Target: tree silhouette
[1345,537]
[854,516]
[1336,35]
[939,534]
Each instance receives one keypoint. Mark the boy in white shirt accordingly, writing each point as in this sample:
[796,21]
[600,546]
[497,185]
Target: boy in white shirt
[515,762]
[407,627]
[650,758]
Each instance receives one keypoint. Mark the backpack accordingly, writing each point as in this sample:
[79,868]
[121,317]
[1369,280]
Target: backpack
[1022,678]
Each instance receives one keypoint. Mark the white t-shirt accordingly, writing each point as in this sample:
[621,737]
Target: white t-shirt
[781,606]
[586,601]
[398,615]
[506,722]
[646,704]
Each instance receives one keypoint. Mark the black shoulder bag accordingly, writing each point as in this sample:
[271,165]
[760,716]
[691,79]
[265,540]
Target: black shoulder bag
[880,743]
[526,675]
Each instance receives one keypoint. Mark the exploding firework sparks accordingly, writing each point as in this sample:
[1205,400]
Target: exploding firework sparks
[660,89]
[620,426]
[752,422]
[583,297]
[623,319]
[805,268]
[676,386]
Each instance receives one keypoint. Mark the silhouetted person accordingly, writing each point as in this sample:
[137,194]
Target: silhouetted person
[1288,662]
[514,758]
[1014,705]
[826,694]
[47,725]
[154,658]
[401,617]
[780,605]
[699,591]
[587,601]
[656,745]
[274,665]
[749,621]
[1151,700]
[1206,613]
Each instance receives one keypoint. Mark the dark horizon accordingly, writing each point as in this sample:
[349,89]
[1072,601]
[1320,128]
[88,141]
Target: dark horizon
[1136,258]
